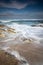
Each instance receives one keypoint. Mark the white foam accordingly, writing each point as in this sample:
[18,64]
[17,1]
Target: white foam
[28,31]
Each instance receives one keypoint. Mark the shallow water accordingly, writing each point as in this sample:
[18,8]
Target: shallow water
[27,31]
[28,41]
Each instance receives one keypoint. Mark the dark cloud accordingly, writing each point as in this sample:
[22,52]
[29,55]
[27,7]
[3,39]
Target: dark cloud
[13,4]
[10,9]
[18,3]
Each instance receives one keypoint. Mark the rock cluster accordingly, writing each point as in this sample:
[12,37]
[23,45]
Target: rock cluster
[4,30]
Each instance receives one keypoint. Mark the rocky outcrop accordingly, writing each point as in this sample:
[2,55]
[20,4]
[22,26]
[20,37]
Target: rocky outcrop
[7,59]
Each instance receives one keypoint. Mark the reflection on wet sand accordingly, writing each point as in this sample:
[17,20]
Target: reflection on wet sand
[32,52]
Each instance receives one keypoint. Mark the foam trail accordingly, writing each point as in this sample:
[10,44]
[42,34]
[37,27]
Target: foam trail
[22,60]
[28,31]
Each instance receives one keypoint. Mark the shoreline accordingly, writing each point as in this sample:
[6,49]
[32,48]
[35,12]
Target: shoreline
[29,48]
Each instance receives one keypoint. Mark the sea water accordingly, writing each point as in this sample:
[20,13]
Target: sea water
[24,29]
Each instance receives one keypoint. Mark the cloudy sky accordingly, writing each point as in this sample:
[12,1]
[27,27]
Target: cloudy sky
[21,9]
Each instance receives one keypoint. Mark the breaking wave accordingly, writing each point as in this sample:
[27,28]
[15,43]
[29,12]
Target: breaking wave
[27,31]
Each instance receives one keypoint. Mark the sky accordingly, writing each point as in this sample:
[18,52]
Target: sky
[21,9]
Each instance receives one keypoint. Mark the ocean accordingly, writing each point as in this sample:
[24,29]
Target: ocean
[27,28]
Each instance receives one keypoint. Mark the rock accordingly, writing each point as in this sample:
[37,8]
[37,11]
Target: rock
[7,59]
[10,30]
[1,26]
[2,35]
[37,25]
[28,41]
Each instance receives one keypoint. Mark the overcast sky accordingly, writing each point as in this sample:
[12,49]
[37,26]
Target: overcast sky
[21,9]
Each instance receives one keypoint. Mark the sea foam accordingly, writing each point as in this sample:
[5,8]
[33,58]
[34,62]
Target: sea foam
[28,31]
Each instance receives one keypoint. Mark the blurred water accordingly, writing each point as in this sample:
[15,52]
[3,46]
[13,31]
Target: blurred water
[24,31]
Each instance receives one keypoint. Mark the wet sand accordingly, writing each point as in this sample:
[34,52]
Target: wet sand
[33,53]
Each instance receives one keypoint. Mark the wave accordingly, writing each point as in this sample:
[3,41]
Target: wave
[28,31]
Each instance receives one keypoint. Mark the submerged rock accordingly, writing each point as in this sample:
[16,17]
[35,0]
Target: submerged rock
[37,25]
[6,32]
[10,30]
